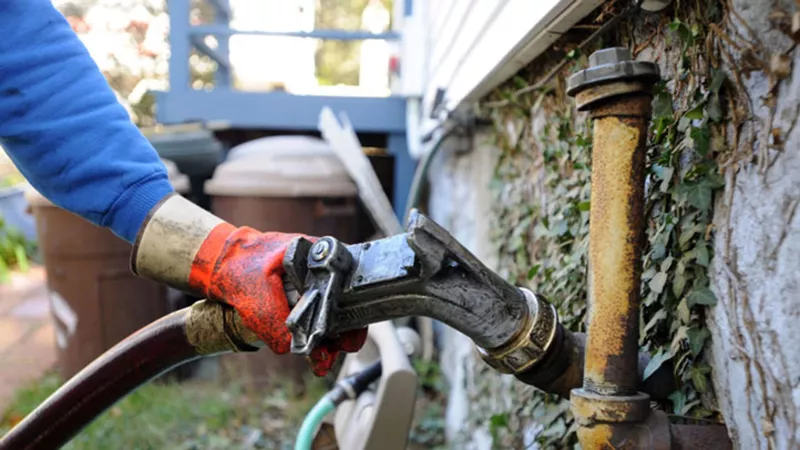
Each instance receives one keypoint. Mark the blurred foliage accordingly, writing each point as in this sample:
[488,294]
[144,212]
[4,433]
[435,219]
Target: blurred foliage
[338,61]
[15,251]
[11,179]
[214,415]
[428,428]
[186,416]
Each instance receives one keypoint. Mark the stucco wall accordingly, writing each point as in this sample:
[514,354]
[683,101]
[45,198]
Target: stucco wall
[461,202]
[754,350]
[756,271]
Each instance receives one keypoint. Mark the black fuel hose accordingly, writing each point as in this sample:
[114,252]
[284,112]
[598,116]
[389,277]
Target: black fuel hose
[185,335]
[350,387]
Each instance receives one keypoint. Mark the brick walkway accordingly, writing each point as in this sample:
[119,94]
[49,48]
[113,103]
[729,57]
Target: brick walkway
[27,339]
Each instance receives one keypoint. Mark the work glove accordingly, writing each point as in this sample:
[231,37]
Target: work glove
[188,248]
[244,268]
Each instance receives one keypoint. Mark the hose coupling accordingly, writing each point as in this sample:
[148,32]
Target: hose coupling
[532,341]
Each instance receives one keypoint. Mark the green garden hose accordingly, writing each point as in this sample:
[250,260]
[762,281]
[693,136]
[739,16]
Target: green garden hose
[305,437]
[349,388]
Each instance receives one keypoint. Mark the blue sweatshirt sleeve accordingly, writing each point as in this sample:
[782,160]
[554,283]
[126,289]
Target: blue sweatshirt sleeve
[63,127]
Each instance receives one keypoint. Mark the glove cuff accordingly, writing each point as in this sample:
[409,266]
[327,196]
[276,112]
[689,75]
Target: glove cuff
[170,240]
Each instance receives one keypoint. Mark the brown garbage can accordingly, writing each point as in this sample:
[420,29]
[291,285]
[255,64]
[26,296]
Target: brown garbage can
[95,300]
[292,184]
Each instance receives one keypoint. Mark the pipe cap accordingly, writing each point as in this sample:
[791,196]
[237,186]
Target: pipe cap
[610,65]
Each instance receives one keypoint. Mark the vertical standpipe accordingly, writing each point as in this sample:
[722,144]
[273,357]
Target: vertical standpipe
[616,91]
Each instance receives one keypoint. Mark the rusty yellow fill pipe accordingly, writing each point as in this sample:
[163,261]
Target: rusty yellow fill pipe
[615,243]
[610,411]
[616,91]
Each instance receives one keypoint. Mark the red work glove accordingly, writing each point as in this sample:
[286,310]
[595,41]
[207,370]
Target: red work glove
[244,268]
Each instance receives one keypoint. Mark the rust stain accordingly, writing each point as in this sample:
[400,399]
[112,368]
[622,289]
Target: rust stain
[600,437]
[592,411]
[615,250]
[591,96]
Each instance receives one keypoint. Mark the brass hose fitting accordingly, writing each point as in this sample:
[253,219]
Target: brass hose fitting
[531,342]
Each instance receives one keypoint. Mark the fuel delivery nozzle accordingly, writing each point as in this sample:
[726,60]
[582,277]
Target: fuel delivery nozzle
[422,272]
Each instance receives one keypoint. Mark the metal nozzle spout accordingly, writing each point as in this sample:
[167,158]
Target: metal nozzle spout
[427,272]
[423,272]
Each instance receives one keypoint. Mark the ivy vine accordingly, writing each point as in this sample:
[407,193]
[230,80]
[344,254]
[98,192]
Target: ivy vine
[542,200]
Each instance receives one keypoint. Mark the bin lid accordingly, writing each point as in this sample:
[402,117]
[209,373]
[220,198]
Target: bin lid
[292,145]
[180,183]
[282,166]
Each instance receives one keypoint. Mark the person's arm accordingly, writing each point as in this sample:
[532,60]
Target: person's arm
[65,130]
[63,127]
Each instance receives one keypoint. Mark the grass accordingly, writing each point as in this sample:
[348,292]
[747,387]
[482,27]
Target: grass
[185,416]
[11,179]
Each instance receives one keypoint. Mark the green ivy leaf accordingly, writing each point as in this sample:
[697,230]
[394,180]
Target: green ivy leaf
[678,284]
[689,406]
[717,78]
[683,31]
[657,283]
[697,339]
[534,271]
[678,400]
[701,139]
[659,250]
[584,206]
[701,253]
[496,184]
[701,296]
[700,381]
[560,228]
[700,278]
[656,361]
[686,235]
[662,106]
[659,128]
[697,193]
[655,320]
[574,54]
[695,113]
[497,422]
[680,335]
[702,413]
[666,178]
[651,298]
[703,368]
[555,429]
[714,180]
